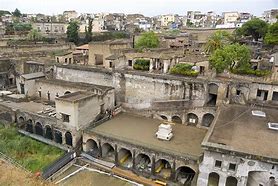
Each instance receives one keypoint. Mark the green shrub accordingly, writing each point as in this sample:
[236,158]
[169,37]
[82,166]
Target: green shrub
[243,71]
[183,69]
[142,64]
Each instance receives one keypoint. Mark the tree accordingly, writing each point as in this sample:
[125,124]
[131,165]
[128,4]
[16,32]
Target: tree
[230,57]
[34,35]
[147,40]
[72,32]
[255,27]
[17,13]
[271,37]
[217,40]
[88,31]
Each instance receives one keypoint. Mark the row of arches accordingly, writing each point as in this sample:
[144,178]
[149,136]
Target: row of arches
[214,178]
[192,119]
[141,162]
[46,131]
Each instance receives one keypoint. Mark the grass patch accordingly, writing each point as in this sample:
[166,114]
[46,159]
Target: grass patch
[32,154]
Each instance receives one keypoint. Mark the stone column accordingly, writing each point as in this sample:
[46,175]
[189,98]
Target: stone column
[173,171]
[202,179]
[116,155]
[100,149]
[222,180]
[133,159]
[153,166]
[151,65]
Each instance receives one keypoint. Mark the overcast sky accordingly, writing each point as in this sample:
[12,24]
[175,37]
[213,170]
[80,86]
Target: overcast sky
[147,7]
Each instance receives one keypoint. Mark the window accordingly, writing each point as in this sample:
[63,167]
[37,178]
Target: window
[110,64]
[238,92]
[232,166]
[57,60]
[66,60]
[69,60]
[65,117]
[218,163]
[259,93]
[130,63]
[275,96]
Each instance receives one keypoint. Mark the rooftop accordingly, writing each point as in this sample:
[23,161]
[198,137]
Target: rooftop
[33,75]
[76,96]
[236,129]
[141,131]
[80,85]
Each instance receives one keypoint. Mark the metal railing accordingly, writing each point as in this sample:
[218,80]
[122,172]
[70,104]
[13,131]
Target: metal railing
[58,164]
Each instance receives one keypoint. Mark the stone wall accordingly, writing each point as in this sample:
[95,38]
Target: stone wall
[243,167]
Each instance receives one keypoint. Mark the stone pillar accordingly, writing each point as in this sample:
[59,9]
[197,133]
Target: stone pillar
[222,180]
[173,171]
[63,138]
[133,159]
[153,166]
[202,179]
[100,149]
[165,66]
[151,65]
[116,155]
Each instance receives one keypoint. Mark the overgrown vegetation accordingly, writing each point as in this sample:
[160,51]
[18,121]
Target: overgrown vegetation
[256,28]
[110,35]
[141,64]
[30,153]
[147,40]
[235,58]
[271,37]
[183,69]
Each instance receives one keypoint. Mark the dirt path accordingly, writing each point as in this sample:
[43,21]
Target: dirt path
[13,176]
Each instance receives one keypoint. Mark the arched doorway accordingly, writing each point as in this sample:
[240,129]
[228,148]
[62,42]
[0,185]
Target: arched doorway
[163,168]
[207,119]
[143,162]
[192,119]
[58,137]
[176,119]
[67,92]
[39,129]
[92,148]
[68,137]
[125,158]
[164,117]
[48,132]
[213,179]
[185,175]
[29,126]
[231,181]
[212,94]
[108,152]
[20,120]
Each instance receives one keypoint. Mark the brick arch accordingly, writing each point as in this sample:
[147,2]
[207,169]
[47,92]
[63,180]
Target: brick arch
[207,119]
[176,119]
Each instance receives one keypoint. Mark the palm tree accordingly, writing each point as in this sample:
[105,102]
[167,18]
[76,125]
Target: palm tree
[217,40]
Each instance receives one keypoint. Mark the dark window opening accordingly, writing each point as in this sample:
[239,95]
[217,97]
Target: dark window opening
[66,60]
[130,63]
[259,93]
[65,117]
[238,92]
[218,163]
[275,96]
[69,60]
[110,64]
[232,166]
